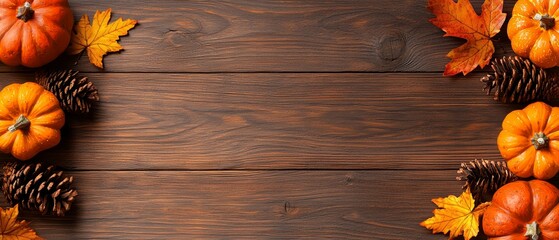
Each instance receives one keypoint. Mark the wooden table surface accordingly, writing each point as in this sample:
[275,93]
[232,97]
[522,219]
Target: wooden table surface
[268,119]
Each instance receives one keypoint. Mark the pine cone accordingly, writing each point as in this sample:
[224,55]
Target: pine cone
[484,177]
[518,80]
[75,94]
[38,187]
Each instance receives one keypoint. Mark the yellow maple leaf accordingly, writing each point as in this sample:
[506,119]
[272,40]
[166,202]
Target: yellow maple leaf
[456,215]
[99,37]
[11,229]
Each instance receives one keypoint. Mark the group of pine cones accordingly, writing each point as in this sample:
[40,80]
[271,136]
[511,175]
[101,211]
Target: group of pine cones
[38,186]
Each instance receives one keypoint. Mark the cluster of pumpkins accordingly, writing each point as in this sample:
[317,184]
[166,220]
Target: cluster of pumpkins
[32,34]
[529,140]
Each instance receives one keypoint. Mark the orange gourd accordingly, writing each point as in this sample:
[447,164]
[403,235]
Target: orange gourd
[533,32]
[529,141]
[34,32]
[523,210]
[30,120]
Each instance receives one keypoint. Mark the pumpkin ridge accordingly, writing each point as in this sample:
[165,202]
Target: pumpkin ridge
[30,104]
[516,220]
[552,126]
[543,218]
[52,108]
[52,25]
[545,224]
[531,198]
[539,111]
[527,31]
[50,3]
[523,119]
[513,31]
[10,23]
[7,144]
[537,7]
[17,26]
[15,103]
[544,186]
[33,43]
[546,37]
[549,36]
[554,13]
[514,215]
[45,32]
[36,131]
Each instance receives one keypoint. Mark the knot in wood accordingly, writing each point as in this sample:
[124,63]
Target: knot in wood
[391,46]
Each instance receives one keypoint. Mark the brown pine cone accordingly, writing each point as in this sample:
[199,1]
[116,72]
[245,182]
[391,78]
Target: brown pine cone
[75,93]
[518,80]
[484,177]
[38,187]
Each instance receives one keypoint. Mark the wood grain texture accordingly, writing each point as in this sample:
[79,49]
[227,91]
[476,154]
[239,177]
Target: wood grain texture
[240,119]
[282,121]
[277,36]
[250,205]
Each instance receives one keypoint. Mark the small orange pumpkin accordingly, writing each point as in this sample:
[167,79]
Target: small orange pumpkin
[34,32]
[523,210]
[533,32]
[529,141]
[30,120]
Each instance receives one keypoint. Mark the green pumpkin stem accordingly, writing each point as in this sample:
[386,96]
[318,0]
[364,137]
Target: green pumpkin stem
[546,22]
[25,12]
[532,231]
[21,123]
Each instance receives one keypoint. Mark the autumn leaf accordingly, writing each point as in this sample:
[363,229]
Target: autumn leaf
[460,20]
[11,229]
[99,37]
[456,215]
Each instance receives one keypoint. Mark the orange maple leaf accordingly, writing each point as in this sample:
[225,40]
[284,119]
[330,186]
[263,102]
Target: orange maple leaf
[456,215]
[11,229]
[460,20]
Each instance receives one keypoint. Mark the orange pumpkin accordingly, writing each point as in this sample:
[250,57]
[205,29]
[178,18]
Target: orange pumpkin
[523,210]
[533,33]
[34,32]
[30,120]
[529,141]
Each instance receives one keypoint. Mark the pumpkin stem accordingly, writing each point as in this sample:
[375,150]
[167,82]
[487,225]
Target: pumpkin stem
[546,22]
[21,123]
[540,140]
[25,12]
[532,231]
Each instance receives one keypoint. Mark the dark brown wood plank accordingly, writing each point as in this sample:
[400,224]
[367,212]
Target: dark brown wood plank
[281,121]
[250,204]
[270,35]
